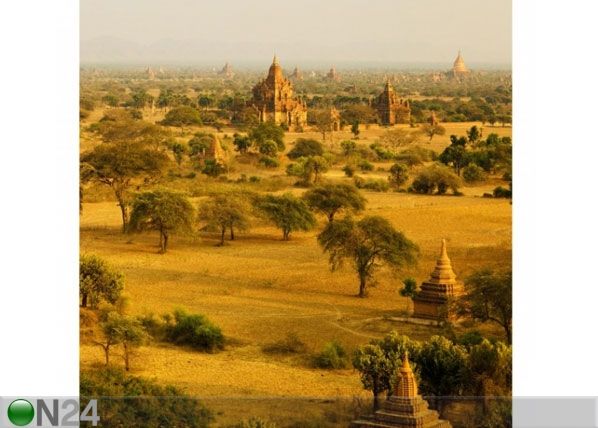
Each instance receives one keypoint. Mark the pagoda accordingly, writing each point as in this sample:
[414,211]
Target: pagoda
[274,101]
[405,408]
[227,71]
[333,75]
[390,108]
[431,301]
[297,74]
[459,67]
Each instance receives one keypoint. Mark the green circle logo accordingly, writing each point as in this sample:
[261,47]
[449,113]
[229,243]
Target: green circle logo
[20,412]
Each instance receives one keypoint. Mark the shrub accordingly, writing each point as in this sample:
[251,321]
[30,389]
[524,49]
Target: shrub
[213,168]
[501,192]
[415,156]
[473,173]
[381,152]
[143,402]
[269,162]
[348,147]
[305,147]
[436,178]
[349,170]
[376,185]
[332,356]
[254,423]
[291,344]
[255,179]
[399,174]
[365,165]
[196,331]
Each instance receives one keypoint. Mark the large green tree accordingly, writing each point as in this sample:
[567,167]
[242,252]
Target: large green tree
[332,198]
[489,297]
[123,165]
[182,116]
[368,244]
[98,281]
[375,368]
[287,212]
[164,211]
[267,131]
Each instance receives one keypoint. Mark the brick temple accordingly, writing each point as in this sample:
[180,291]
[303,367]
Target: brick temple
[274,100]
[431,300]
[391,108]
[405,408]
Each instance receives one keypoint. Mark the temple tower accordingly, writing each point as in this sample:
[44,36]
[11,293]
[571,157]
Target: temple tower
[432,299]
[405,408]
[390,108]
[273,100]
[459,67]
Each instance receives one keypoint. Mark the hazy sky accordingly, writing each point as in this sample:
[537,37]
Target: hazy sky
[405,31]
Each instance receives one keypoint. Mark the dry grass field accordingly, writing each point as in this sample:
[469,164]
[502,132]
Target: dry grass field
[258,288]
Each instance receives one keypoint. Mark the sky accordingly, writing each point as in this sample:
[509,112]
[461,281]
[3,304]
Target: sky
[300,31]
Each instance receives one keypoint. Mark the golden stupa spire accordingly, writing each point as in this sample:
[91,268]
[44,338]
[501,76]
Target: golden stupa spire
[406,386]
[275,60]
[443,272]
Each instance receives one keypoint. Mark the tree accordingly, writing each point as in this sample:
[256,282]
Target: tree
[436,178]
[268,148]
[267,131]
[474,134]
[305,147]
[287,212]
[409,288]
[182,116]
[308,168]
[369,244]
[323,122]
[399,174]
[396,138]
[242,143]
[443,369]
[224,212]
[205,101]
[375,369]
[200,143]
[348,147]
[355,129]
[98,281]
[178,150]
[332,198]
[164,211]
[430,130]
[488,297]
[359,113]
[456,155]
[119,329]
[122,165]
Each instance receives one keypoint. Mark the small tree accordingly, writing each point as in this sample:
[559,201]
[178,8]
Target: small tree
[178,150]
[242,143]
[409,288]
[430,130]
[225,212]
[287,212]
[119,329]
[348,147]
[369,243]
[305,147]
[436,178]
[399,174]
[375,369]
[489,298]
[164,211]
[332,198]
[267,131]
[98,281]
[456,155]
[182,116]
[474,134]
[355,129]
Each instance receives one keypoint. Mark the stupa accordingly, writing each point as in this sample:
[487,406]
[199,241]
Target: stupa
[227,71]
[459,67]
[431,301]
[405,408]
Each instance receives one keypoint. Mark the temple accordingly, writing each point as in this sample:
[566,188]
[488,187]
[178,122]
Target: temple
[390,108]
[227,71]
[333,75]
[273,99]
[459,68]
[297,74]
[405,408]
[431,301]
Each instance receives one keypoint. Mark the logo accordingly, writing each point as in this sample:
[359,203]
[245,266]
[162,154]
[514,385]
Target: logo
[47,412]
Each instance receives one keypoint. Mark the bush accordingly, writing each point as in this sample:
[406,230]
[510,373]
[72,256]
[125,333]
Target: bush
[255,179]
[373,184]
[399,174]
[142,402]
[333,356]
[349,170]
[291,344]
[364,165]
[269,162]
[473,173]
[415,156]
[436,178]
[305,147]
[348,147]
[196,331]
[501,192]
[254,423]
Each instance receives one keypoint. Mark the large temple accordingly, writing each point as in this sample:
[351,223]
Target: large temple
[391,108]
[273,99]
[405,408]
[433,298]
[459,68]
[227,71]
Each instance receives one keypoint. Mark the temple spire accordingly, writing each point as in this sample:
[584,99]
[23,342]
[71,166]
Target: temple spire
[406,385]
[275,60]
